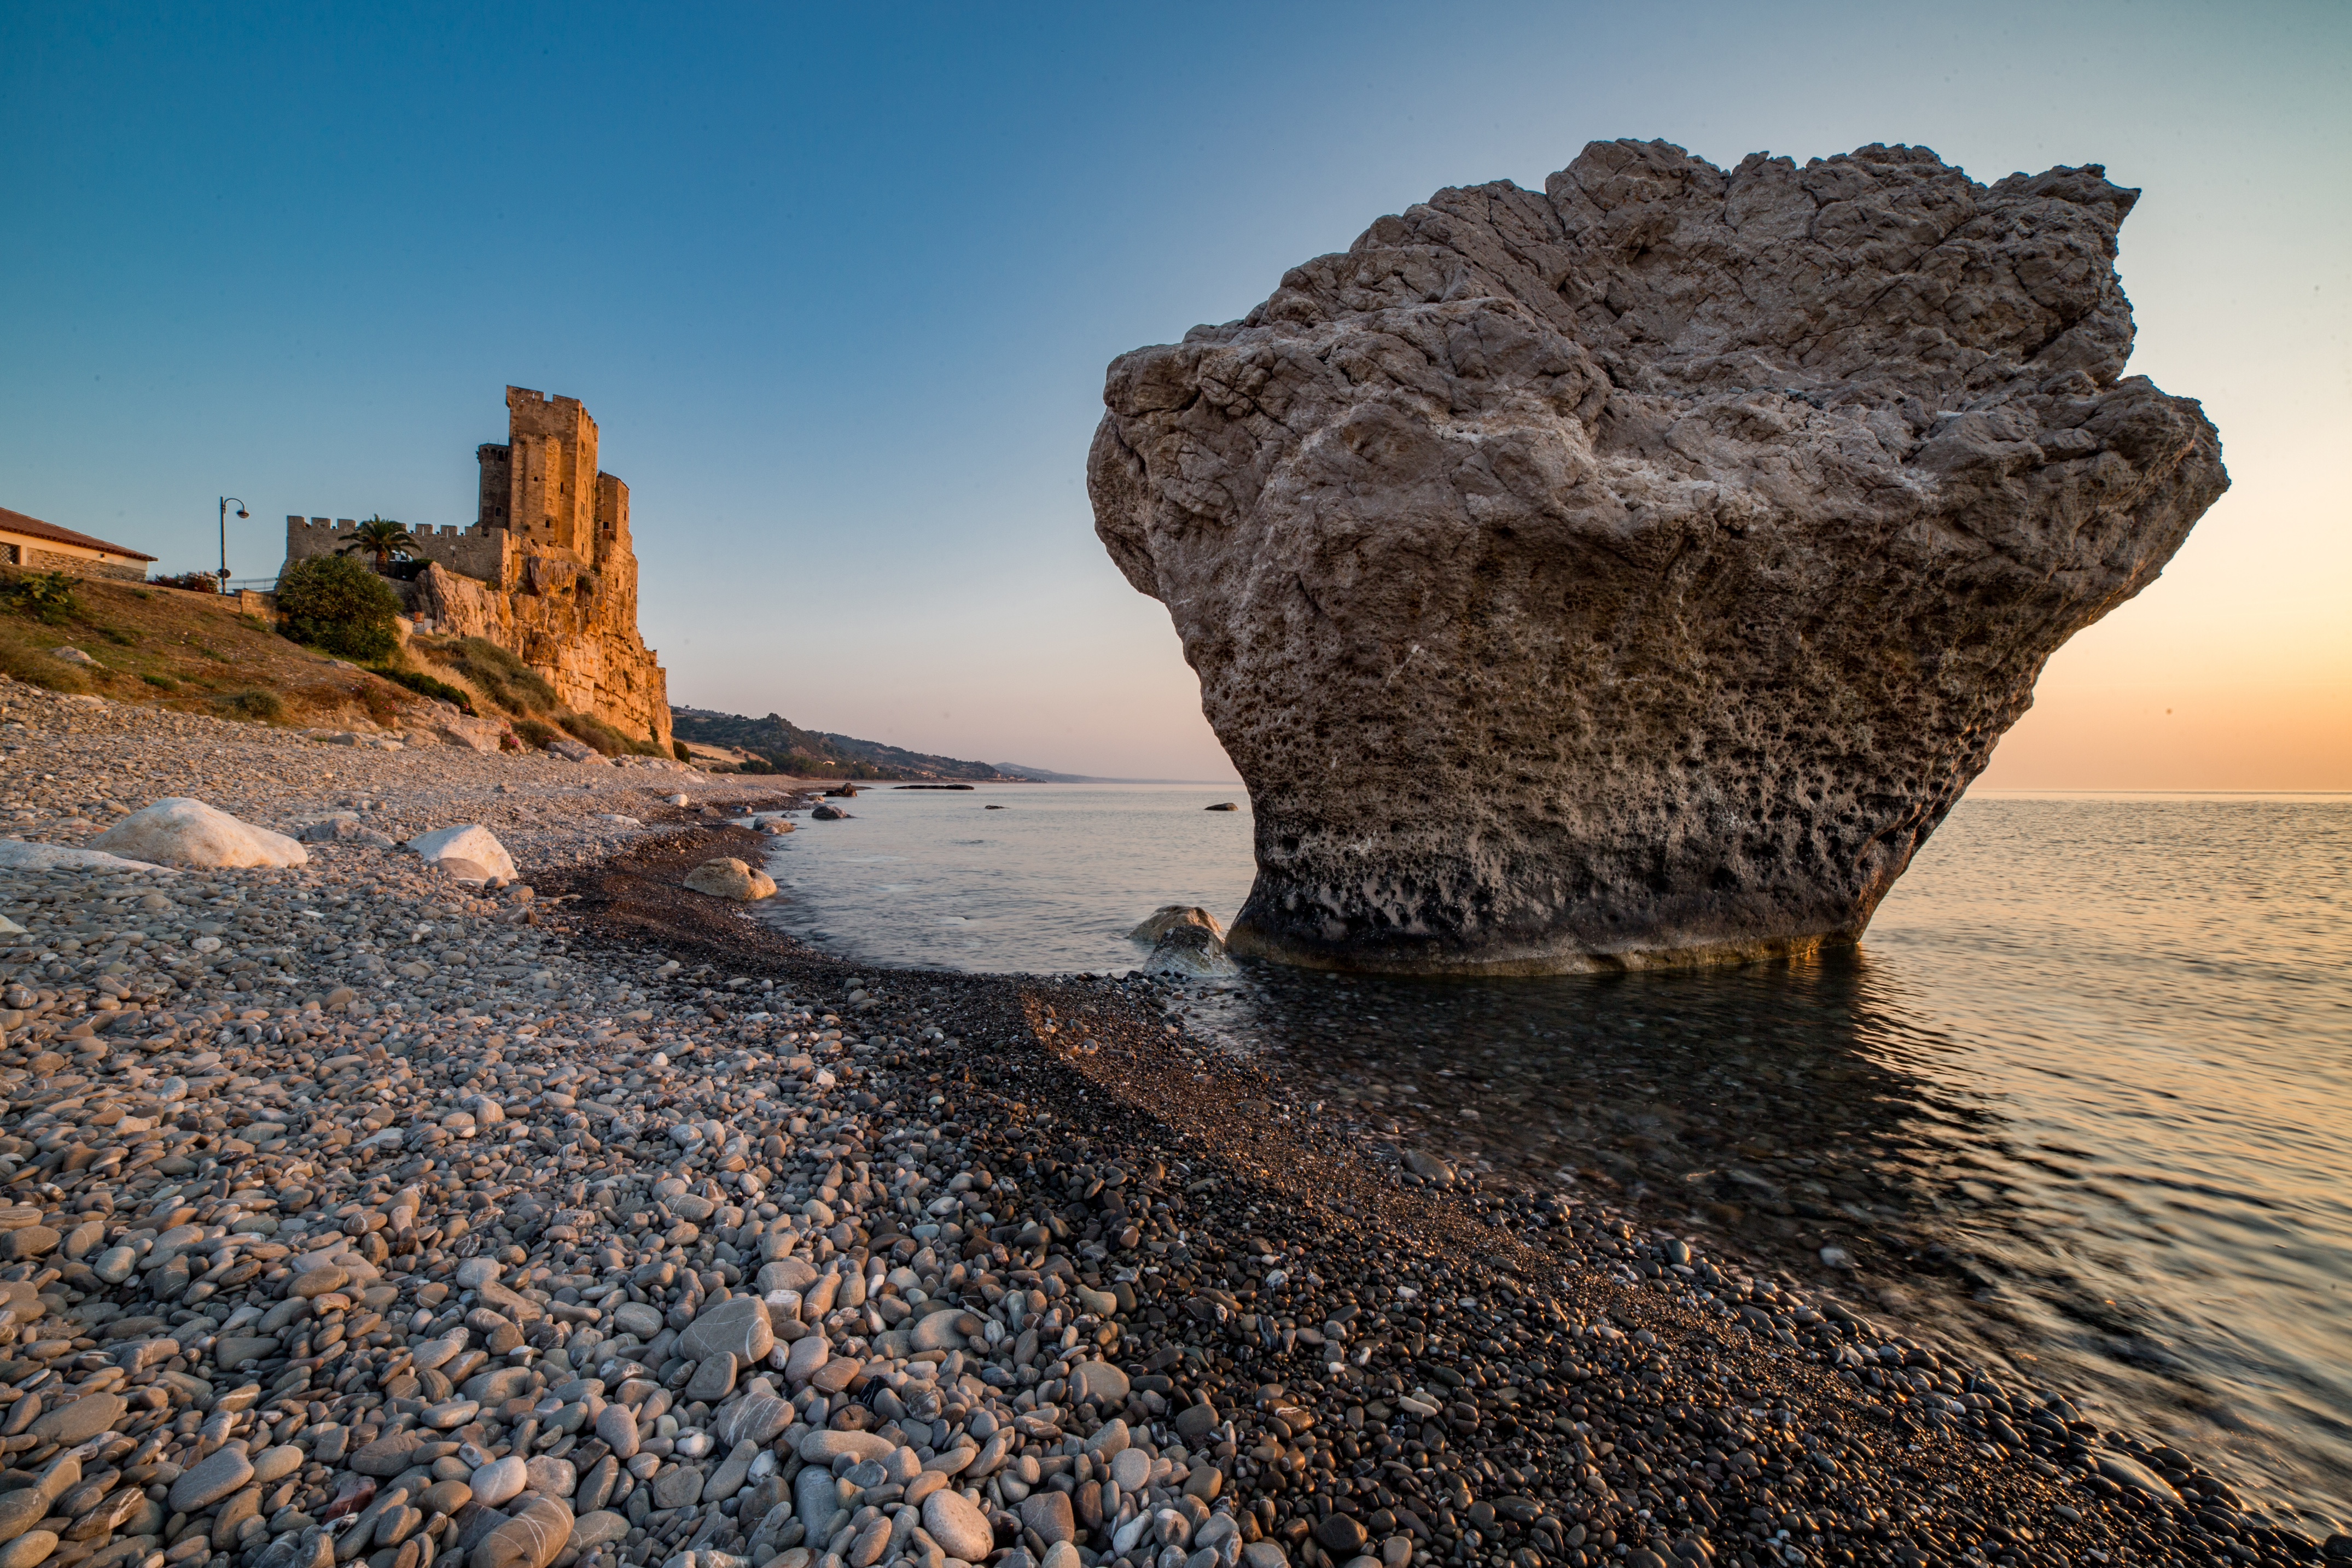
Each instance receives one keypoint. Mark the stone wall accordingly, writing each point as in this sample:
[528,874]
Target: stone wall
[478,551]
[32,557]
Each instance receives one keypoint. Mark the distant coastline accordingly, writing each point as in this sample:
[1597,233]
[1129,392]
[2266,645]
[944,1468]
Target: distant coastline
[1043,776]
[774,744]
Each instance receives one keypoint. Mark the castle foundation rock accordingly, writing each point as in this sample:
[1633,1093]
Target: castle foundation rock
[590,651]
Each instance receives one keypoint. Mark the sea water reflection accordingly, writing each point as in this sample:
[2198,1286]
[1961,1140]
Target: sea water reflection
[2083,1104]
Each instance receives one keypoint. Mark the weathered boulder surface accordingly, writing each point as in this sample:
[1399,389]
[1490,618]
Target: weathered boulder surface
[1168,916]
[176,830]
[470,842]
[1189,950]
[728,877]
[1636,571]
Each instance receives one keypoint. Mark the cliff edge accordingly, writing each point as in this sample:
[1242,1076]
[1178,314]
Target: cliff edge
[576,628]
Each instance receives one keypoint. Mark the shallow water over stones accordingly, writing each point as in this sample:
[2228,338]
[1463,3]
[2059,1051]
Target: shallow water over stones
[2078,1105]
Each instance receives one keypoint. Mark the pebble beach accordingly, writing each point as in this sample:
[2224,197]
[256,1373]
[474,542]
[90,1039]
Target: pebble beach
[356,1210]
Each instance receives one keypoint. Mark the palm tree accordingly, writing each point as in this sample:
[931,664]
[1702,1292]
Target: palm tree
[382,538]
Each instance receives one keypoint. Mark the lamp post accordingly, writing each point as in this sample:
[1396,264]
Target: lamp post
[241,512]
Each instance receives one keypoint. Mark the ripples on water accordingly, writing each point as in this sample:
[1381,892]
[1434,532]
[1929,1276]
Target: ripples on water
[2082,1100]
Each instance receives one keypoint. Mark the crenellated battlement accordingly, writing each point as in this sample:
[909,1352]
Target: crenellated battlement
[486,553]
[342,528]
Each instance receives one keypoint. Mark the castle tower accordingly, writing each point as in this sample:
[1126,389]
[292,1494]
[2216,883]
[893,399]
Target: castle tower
[547,572]
[543,486]
[613,549]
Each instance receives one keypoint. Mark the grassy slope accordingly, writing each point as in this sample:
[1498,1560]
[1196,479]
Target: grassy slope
[171,648]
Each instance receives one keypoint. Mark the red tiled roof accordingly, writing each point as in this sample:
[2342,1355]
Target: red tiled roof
[18,523]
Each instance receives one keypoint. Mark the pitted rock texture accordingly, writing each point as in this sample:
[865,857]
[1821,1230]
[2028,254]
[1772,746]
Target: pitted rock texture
[1636,571]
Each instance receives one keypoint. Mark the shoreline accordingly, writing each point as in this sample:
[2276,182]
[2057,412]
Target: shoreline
[1124,1224]
[1106,1095]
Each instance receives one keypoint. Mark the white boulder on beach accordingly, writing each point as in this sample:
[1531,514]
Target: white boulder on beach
[177,830]
[16,855]
[470,841]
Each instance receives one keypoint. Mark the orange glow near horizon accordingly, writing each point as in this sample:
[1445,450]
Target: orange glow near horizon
[2233,670]
[2220,737]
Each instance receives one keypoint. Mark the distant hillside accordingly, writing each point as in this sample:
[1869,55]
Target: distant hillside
[813,754]
[1045,776]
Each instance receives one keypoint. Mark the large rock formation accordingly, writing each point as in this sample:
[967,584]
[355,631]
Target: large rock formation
[1637,571]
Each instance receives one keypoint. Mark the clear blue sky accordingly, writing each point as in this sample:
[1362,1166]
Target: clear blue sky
[839,285]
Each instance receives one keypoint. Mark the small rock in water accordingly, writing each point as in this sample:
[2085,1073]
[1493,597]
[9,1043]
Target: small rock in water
[732,879]
[1189,950]
[1168,916]
[1428,1167]
[2125,1470]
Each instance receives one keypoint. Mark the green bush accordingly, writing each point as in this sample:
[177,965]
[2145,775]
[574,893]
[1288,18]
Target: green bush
[47,596]
[535,732]
[678,749]
[164,683]
[333,604]
[426,686]
[254,703]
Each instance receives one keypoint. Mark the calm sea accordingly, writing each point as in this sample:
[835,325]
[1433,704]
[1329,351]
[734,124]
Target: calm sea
[2082,1101]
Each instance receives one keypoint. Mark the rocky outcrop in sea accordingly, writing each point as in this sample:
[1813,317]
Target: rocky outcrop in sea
[1636,571]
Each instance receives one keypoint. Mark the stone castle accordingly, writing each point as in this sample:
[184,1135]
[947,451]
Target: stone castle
[546,571]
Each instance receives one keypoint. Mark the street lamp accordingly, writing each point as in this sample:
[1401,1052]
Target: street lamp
[241,512]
